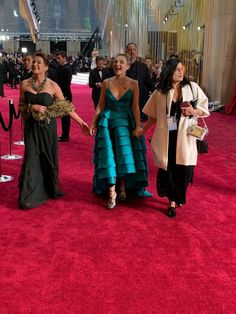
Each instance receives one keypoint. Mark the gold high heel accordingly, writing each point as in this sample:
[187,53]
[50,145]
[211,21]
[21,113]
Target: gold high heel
[112,199]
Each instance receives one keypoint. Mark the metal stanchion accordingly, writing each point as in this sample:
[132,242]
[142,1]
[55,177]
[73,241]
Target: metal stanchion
[3,177]
[21,142]
[11,156]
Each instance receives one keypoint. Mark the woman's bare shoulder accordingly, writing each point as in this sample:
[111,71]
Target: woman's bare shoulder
[26,82]
[106,81]
[26,85]
[52,84]
[131,81]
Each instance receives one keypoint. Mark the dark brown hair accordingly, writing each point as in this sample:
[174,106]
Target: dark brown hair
[61,53]
[43,56]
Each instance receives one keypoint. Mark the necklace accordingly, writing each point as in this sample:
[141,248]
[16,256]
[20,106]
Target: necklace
[41,85]
[120,81]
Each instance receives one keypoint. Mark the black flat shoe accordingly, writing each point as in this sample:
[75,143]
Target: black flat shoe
[63,139]
[171,212]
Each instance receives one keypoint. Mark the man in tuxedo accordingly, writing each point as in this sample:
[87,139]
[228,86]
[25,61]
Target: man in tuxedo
[64,77]
[139,71]
[27,67]
[53,67]
[96,77]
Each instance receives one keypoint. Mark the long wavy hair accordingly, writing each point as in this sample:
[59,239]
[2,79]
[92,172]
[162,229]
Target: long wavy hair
[166,76]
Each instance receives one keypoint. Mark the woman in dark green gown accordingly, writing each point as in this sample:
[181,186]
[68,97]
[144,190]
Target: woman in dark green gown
[119,151]
[41,101]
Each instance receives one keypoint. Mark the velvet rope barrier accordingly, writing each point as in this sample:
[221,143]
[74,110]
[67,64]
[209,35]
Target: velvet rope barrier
[12,114]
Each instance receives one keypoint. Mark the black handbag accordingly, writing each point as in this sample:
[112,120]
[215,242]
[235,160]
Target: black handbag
[202,147]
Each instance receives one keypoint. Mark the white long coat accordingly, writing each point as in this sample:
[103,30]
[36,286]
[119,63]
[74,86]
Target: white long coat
[158,107]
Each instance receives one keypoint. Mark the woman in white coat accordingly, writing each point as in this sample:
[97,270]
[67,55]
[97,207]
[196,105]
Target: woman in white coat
[175,152]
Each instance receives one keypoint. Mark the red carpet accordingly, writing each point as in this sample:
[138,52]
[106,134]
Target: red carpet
[73,256]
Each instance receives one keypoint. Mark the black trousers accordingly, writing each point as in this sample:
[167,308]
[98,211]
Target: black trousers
[1,88]
[65,124]
[174,181]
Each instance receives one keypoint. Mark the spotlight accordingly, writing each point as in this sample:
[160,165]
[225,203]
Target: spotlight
[187,25]
[202,27]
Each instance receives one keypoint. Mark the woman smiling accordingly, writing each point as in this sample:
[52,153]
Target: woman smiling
[119,152]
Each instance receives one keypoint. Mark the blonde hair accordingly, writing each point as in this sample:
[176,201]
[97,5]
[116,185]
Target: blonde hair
[125,55]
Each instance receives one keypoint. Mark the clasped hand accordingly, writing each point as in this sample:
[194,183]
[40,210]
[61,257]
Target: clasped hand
[85,129]
[138,131]
[38,108]
[187,110]
[93,130]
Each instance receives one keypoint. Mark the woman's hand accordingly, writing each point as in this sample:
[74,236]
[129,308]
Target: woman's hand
[93,130]
[187,109]
[38,108]
[138,131]
[84,127]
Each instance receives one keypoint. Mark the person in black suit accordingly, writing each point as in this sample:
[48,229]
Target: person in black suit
[96,77]
[2,77]
[139,71]
[53,68]
[27,67]
[64,77]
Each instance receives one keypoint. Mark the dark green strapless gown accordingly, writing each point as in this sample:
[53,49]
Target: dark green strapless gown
[118,154]
[38,179]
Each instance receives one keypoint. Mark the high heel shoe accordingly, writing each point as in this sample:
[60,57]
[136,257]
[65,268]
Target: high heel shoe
[112,200]
[122,194]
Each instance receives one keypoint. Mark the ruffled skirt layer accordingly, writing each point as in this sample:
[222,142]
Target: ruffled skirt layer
[118,154]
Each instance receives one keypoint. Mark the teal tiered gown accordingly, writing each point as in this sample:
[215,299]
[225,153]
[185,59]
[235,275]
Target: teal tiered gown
[117,153]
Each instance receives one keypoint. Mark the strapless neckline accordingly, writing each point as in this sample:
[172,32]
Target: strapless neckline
[35,94]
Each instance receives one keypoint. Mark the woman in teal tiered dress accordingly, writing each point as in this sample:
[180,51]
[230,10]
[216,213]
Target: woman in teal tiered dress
[120,151]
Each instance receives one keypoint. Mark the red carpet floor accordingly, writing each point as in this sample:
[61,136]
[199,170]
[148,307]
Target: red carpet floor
[73,256]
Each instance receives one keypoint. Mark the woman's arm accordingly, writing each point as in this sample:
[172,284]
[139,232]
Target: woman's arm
[138,131]
[100,107]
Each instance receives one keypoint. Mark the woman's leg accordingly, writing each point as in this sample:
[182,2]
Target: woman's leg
[112,197]
[122,191]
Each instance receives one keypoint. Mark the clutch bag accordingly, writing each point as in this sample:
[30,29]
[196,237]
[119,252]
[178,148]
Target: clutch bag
[197,131]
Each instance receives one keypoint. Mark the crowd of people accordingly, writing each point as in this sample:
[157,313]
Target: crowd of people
[130,95]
